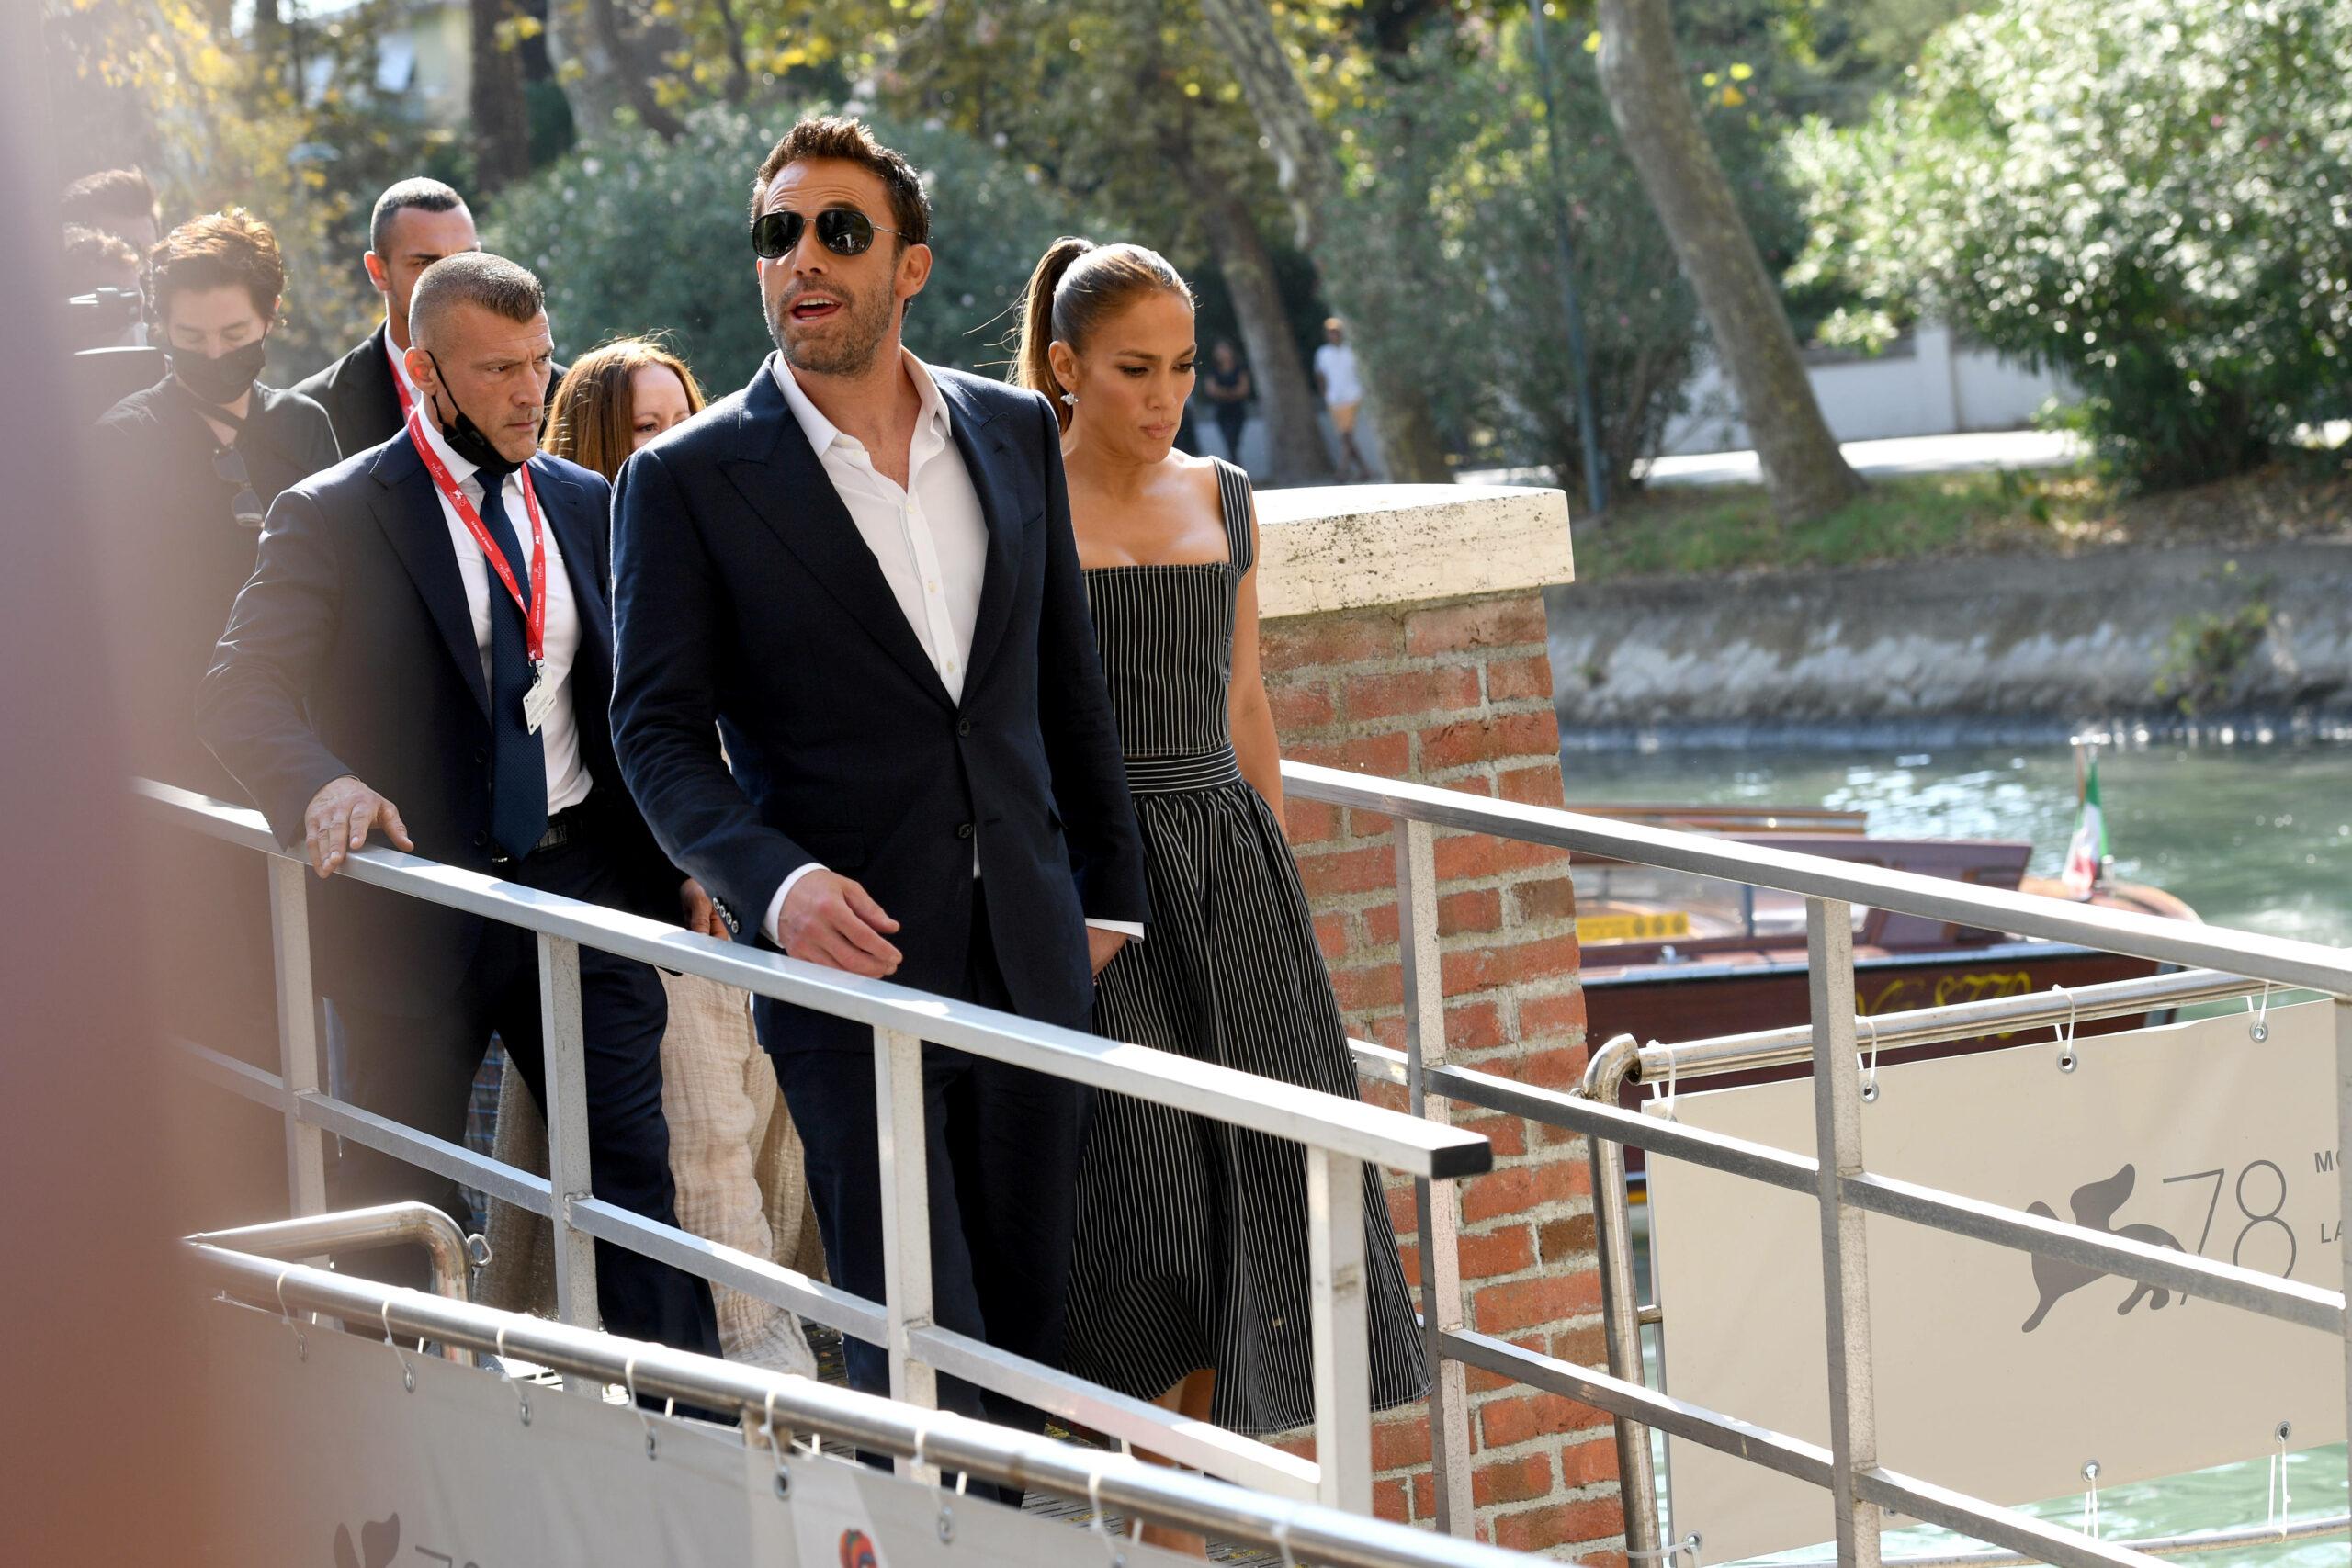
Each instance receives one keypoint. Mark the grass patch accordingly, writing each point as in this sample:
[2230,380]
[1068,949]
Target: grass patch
[1713,530]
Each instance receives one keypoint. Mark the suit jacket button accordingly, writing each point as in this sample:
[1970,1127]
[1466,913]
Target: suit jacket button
[481,839]
[962,726]
[480,755]
[964,831]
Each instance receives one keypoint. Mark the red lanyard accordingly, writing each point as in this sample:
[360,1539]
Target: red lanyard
[535,610]
[400,376]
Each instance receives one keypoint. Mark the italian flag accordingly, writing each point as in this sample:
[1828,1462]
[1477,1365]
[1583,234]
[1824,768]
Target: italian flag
[2087,854]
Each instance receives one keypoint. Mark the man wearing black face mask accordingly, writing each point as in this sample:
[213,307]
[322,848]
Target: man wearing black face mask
[183,472]
[424,657]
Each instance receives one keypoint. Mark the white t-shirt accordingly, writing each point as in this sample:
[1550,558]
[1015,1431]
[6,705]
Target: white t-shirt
[1336,363]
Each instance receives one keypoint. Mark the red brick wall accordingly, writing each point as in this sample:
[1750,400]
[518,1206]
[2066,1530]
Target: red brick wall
[1459,694]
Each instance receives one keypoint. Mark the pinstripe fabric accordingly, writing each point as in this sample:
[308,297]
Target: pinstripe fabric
[1192,1234]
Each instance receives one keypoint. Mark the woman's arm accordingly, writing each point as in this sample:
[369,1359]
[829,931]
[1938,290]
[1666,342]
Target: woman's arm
[1252,717]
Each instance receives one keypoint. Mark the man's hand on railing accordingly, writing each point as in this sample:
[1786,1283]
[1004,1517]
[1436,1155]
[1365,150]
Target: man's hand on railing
[701,914]
[828,919]
[338,817]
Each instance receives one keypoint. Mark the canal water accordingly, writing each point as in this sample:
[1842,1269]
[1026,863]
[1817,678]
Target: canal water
[2252,834]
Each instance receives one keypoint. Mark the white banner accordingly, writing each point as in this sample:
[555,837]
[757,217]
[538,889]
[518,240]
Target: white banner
[350,1467]
[1999,1373]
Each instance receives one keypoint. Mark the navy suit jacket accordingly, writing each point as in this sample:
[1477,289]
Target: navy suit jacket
[746,606]
[351,651]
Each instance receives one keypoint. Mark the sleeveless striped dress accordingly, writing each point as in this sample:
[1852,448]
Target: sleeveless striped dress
[1192,1234]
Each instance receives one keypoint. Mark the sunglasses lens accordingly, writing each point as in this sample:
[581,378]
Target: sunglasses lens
[774,233]
[845,231]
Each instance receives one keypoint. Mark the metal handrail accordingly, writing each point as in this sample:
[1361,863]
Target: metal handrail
[385,1224]
[2280,960]
[1362,1132]
[1339,1135]
[1844,1190]
[782,1403]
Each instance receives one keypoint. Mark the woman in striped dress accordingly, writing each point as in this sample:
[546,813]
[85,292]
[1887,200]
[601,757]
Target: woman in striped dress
[1190,1280]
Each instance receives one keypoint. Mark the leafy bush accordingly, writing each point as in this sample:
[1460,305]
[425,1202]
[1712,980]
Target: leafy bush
[634,234]
[2154,197]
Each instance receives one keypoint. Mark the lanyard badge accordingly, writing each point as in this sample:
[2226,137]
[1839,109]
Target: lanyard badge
[539,701]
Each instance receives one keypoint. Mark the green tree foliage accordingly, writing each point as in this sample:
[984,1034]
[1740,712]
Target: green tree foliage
[1447,152]
[636,234]
[2150,195]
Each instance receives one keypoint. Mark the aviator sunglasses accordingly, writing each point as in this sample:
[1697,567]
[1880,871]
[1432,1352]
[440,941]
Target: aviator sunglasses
[844,231]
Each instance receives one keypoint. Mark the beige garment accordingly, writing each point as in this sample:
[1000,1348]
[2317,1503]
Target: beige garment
[734,1154]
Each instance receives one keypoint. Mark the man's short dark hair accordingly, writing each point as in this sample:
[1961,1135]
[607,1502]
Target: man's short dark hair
[472,277]
[424,195]
[94,258]
[220,250]
[94,201]
[849,141]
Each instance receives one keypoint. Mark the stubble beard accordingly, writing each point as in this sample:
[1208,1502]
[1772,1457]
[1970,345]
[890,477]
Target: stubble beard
[849,352]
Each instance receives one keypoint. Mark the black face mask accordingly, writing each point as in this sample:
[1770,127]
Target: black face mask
[465,437]
[219,379]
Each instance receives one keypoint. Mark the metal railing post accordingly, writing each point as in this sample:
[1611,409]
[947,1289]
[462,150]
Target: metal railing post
[1342,1344]
[2342,1009]
[563,1056]
[1845,1254]
[1621,1313]
[906,1220]
[297,1030]
[1434,1204]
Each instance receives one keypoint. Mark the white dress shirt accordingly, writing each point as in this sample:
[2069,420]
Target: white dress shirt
[568,781]
[929,537]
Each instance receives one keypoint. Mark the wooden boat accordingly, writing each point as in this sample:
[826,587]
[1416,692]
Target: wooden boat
[1672,956]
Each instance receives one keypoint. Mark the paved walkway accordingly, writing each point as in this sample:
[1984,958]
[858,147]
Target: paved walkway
[1973,451]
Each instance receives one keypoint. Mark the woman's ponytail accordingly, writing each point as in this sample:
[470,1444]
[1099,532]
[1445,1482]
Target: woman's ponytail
[1032,365]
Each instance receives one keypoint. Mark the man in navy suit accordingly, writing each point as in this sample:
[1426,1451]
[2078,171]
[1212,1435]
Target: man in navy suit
[424,649]
[859,572]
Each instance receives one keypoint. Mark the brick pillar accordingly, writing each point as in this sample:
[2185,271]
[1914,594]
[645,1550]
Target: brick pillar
[1456,690]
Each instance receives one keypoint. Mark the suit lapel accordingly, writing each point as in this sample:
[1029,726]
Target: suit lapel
[779,476]
[410,514]
[984,459]
[375,373]
[559,501]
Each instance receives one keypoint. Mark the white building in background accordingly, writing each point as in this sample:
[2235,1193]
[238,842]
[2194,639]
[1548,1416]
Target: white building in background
[1927,382]
[424,61]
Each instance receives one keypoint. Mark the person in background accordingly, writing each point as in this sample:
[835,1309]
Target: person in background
[404,664]
[1226,383]
[1342,389]
[1189,1283]
[733,1151]
[120,202]
[368,392]
[183,473]
[98,263]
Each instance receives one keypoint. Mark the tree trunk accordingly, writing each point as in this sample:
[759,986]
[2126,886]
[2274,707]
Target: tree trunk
[502,129]
[1285,393]
[739,68]
[632,75]
[584,67]
[1805,473]
[1311,178]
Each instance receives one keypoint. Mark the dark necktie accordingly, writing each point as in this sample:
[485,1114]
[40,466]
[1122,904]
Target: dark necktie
[518,770]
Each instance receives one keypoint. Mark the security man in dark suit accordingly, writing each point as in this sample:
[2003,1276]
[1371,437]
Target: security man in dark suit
[368,392]
[424,651]
[859,572]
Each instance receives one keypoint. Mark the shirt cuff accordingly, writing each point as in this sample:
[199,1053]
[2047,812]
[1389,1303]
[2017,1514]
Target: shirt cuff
[769,925]
[1131,929]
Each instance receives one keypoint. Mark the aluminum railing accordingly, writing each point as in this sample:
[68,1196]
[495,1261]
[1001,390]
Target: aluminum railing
[776,1406]
[1340,1137]
[1848,1467]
